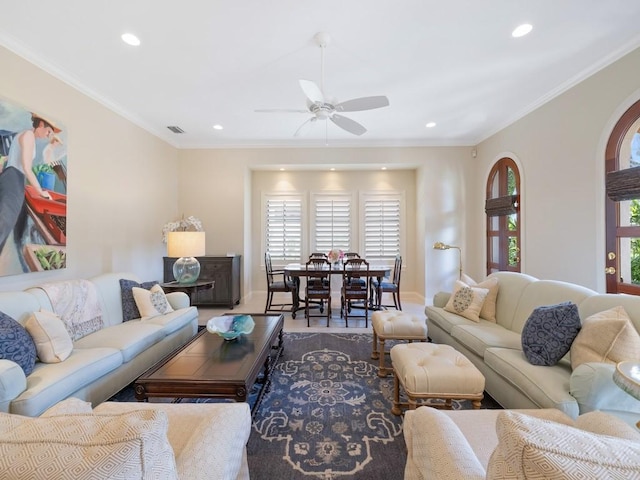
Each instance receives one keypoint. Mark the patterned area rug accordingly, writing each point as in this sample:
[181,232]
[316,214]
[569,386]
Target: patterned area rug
[327,414]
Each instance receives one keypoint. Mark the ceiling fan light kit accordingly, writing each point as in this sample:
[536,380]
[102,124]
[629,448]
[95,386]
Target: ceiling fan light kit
[322,108]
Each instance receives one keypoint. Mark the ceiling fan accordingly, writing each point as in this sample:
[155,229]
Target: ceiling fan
[323,108]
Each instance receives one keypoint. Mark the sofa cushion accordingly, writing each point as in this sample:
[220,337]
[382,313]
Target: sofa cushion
[130,445]
[129,308]
[52,340]
[16,344]
[477,337]
[607,336]
[466,300]
[152,302]
[226,426]
[549,332]
[488,311]
[604,424]
[547,387]
[50,382]
[131,338]
[529,447]
[174,321]
[443,319]
[68,406]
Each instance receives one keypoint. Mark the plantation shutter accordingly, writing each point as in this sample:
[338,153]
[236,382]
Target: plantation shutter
[283,228]
[332,223]
[382,226]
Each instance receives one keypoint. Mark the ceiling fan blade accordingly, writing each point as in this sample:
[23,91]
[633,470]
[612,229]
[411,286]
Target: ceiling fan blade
[362,103]
[281,110]
[305,127]
[312,91]
[347,124]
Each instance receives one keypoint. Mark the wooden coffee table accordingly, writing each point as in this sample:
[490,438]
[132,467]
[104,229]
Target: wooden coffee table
[210,367]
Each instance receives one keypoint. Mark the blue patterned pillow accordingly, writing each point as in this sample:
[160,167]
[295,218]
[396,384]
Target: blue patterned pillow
[549,332]
[16,344]
[129,308]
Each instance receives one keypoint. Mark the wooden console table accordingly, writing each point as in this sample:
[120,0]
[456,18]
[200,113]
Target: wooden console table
[222,271]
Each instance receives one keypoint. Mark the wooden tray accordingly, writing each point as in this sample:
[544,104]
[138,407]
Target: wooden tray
[32,259]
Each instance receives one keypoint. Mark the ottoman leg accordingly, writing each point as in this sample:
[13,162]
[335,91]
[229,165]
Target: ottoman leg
[382,370]
[476,404]
[374,347]
[396,410]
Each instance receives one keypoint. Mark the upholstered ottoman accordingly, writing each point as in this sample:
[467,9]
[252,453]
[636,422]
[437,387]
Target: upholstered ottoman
[395,325]
[428,370]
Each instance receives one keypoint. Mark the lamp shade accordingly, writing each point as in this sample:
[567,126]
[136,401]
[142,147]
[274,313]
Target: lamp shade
[185,244]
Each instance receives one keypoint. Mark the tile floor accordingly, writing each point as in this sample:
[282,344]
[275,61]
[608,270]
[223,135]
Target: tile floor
[299,324]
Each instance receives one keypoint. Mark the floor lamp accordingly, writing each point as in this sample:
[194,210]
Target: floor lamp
[444,246]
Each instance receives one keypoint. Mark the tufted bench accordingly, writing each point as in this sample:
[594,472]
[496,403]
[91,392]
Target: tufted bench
[395,325]
[428,370]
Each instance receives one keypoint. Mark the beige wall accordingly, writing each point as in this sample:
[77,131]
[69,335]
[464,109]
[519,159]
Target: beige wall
[122,180]
[560,147]
[225,192]
[124,184]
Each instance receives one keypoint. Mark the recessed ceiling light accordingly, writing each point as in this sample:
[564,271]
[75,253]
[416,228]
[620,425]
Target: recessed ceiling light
[282,169]
[521,30]
[383,168]
[217,127]
[130,39]
[430,124]
[332,169]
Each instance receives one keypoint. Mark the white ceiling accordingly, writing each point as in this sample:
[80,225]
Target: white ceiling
[206,62]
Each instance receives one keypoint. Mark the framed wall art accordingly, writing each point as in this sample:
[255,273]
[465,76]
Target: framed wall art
[33,190]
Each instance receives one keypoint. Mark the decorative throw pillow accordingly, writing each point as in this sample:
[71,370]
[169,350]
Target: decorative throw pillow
[466,301]
[608,337]
[50,335]
[130,445]
[151,303]
[548,333]
[16,344]
[530,447]
[488,311]
[129,308]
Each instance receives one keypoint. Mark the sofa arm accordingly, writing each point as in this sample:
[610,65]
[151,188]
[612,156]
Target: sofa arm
[440,299]
[178,300]
[12,383]
[592,386]
[437,449]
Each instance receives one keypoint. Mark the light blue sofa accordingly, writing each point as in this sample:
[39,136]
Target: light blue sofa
[101,363]
[496,350]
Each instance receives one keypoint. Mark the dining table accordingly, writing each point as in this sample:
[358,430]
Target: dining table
[299,270]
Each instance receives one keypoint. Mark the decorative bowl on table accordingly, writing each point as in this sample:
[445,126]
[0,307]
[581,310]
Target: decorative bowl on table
[231,327]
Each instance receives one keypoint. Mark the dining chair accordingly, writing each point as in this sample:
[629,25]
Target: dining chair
[317,255]
[278,282]
[318,287]
[389,285]
[355,289]
[349,255]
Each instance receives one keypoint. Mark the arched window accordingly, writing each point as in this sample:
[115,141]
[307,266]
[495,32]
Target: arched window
[622,207]
[503,217]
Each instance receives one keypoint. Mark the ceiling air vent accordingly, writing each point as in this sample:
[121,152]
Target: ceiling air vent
[175,129]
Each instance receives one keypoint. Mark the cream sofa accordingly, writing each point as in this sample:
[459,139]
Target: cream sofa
[516,444]
[154,441]
[101,363]
[496,348]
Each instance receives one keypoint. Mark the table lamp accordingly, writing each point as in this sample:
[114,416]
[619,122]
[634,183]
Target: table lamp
[186,246]
[444,246]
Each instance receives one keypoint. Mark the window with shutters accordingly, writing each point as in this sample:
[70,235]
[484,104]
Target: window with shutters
[283,227]
[382,223]
[332,222]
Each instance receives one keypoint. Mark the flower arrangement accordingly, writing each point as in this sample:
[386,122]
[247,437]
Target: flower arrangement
[189,224]
[335,255]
